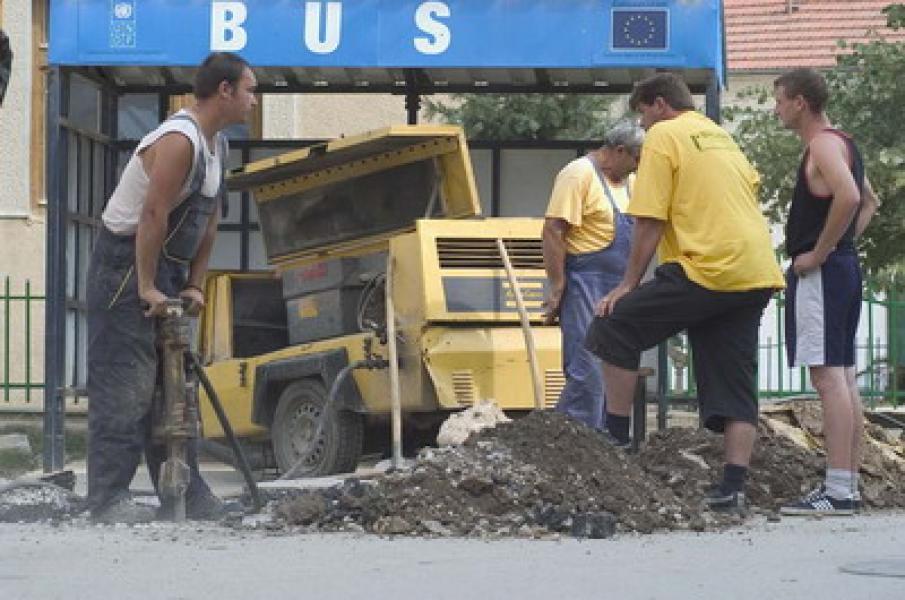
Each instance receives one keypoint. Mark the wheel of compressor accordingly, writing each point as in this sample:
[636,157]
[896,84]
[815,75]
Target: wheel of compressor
[295,421]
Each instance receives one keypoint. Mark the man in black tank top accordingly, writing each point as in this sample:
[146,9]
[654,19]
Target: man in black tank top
[831,206]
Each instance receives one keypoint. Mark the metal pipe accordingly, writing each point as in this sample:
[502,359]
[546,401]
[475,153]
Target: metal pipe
[55,277]
[393,355]
[227,429]
[526,326]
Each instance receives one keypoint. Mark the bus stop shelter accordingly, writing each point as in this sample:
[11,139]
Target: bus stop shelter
[116,63]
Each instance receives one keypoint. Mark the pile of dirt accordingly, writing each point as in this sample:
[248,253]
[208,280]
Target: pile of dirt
[546,473]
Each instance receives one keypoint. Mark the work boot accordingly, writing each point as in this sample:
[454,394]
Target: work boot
[124,510]
[208,507]
[615,442]
[718,499]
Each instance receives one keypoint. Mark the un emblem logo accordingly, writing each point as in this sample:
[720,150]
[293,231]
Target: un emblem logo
[122,10]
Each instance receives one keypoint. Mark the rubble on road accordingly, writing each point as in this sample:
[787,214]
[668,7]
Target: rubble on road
[32,501]
[547,474]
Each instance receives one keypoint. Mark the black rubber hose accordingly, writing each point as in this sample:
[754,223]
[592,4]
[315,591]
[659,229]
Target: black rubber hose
[241,460]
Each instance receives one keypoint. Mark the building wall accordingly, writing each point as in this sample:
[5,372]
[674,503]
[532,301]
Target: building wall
[22,231]
[324,116]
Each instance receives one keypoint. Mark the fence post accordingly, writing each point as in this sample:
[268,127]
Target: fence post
[6,296]
[28,341]
[870,346]
[892,343]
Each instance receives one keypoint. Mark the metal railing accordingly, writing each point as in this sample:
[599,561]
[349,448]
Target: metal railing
[880,361]
[880,358]
[21,357]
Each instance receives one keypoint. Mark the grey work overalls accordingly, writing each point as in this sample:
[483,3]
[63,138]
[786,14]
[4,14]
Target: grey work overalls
[122,352]
[589,277]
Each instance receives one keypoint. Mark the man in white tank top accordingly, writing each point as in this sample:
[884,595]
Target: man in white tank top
[159,228]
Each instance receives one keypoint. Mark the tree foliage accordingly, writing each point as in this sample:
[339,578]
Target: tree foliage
[866,100]
[526,116]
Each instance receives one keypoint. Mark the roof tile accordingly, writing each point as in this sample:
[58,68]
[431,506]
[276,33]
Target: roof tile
[780,34]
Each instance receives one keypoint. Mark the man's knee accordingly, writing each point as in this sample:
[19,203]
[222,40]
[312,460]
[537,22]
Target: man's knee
[828,380]
[611,341]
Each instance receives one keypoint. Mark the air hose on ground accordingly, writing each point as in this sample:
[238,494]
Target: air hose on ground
[371,362]
[241,460]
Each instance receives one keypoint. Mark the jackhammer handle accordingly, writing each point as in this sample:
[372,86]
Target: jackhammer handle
[192,359]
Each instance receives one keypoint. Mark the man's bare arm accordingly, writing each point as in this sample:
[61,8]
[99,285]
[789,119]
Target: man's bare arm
[829,156]
[554,248]
[869,206]
[167,164]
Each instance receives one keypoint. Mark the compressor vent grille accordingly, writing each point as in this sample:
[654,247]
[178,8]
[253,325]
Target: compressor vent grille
[482,253]
[463,387]
[554,382]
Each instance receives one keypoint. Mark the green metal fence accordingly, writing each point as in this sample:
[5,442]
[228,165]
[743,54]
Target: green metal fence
[880,360]
[880,355]
[22,357]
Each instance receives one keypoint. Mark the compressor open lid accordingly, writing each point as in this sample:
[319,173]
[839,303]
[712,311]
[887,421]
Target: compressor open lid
[355,193]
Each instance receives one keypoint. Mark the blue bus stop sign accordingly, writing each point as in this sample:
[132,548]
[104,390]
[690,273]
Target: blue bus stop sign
[452,34]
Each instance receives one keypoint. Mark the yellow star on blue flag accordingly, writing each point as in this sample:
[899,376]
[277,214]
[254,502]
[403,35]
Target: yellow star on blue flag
[640,29]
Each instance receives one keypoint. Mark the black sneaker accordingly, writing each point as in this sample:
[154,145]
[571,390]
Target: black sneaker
[613,441]
[819,503]
[206,507]
[719,500]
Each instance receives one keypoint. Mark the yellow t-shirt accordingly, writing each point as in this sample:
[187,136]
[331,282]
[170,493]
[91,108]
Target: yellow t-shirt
[578,197]
[693,176]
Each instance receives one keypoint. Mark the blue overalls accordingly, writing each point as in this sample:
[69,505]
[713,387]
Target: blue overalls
[589,277]
[123,366]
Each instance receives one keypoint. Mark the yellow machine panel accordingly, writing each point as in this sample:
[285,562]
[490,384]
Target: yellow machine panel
[454,271]
[352,194]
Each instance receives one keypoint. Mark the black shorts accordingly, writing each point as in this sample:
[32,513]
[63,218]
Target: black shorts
[822,312]
[722,328]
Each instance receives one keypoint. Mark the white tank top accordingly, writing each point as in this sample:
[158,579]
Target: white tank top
[128,199]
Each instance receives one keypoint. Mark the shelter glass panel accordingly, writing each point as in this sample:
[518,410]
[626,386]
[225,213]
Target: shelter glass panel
[137,115]
[84,104]
[227,253]
[482,166]
[526,179]
[257,256]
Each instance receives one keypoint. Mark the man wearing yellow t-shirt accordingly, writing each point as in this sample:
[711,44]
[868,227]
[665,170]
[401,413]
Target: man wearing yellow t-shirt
[695,201]
[586,243]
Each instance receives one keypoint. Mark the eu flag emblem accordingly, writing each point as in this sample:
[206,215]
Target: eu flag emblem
[640,29]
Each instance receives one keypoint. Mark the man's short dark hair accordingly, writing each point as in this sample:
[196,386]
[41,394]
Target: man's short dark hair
[217,68]
[6,63]
[668,86]
[807,83]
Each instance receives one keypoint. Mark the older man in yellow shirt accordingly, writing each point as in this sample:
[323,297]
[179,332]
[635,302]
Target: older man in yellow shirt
[586,244]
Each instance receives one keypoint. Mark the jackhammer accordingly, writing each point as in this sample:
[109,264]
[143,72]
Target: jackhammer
[175,421]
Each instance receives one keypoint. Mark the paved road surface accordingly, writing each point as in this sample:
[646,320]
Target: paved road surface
[765,561]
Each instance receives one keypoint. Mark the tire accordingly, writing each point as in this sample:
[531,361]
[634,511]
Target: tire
[295,422]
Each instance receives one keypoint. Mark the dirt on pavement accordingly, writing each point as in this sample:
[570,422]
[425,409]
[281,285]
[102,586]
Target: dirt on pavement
[546,473]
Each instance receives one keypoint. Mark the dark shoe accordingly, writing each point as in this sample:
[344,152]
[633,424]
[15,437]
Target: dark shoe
[819,503]
[613,441]
[719,500]
[209,508]
[125,511]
